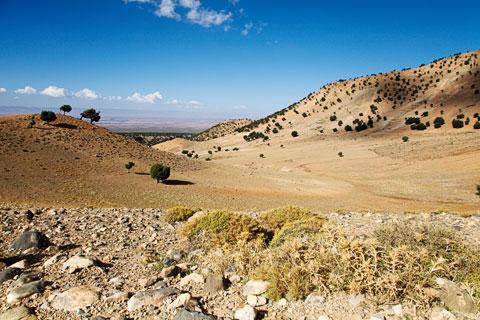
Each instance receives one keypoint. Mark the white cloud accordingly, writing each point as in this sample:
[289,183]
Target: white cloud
[53,91]
[113,98]
[240,107]
[26,90]
[3,90]
[194,12]
[86,94]
[182,104]
[148,98]
[207,18]
[234,2]
[174,101]
[167,9]
[194,103]
[248,26]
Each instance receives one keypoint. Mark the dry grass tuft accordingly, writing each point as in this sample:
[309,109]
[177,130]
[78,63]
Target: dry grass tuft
[178,214]
[306,227]
[275,219]
[224,228]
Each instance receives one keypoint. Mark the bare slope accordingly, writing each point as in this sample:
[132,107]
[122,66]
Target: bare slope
[221,129]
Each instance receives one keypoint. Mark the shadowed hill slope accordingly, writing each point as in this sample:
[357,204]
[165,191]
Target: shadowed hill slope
[221,129]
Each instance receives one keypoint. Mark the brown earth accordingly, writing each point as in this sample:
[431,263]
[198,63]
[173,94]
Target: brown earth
[73,163]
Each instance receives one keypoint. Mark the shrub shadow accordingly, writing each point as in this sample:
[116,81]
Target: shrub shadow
[178,182]
[65,125]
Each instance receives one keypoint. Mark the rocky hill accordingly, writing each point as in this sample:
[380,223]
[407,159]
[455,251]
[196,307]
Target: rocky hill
[221,129]
[429,97]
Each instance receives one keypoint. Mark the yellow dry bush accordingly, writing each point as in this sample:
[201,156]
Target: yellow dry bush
[306,227]
[178,214]
[224,228]
[275,219]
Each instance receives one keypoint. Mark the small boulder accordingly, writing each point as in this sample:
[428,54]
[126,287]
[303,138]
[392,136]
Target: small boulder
[192,278]
[117,297]
[74,299]
[169,272]
[22,264]
[441,314]
[30,239]
[214,283]
[150,297]
[181,301]
[455,298]
[255,287]
[78,262]
[9,274]
[183,314]
[19,313]
[18,293]
[246,313]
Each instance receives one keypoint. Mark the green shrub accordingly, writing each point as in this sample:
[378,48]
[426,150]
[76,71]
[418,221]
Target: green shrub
[48,116]
[457,123]
[348,128]
[159,172]
[476,125]
[129,165]
[340,154]
[333,118]
[65,108]
[294,134]
[184,151]
[178,214]
[224,227]
[404,138]
[438,122]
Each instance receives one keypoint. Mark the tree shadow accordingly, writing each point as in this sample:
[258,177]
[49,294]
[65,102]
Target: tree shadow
[65,125]
[178,182]
[142,173]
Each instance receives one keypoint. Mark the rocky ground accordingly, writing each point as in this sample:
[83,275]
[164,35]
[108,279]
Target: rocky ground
[87,263]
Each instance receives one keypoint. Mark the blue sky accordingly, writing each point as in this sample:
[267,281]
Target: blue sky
[213,59]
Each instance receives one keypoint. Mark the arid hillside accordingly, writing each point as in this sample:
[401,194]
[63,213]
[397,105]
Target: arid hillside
[221,129]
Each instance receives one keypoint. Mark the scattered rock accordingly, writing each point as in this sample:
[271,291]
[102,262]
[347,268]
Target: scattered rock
[441,314]
[398,310]
[30,239]
[183,314]
[150,297]
[377,317]
[169,272]
[192,278]
[324,317]
[19,313]
[246,313]
[255,287]
[117,297]
[53,260]
[181,301]
[147,281]
[18,293]
[117,281]
[75,299]
[22,264]
[9,274]
[213,284]
[455,298]
[78,262]
[355,299]
[314,299]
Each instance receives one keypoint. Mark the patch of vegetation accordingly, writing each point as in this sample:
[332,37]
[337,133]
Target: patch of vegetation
[412,120]
[348,128]
[476,125]
[178,214]
[305,227]
[159,172]
[294,134]
[404,138]
[254,135]
[129,165]
[91,114]
[456,123]
[65,108]
[224,227]
[48,116]
[275,219]
[438,122]
[340,154]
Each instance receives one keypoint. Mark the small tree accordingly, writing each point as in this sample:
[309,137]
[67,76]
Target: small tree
[129,165]
[91,114]
[404,138]
[478,189]
[48,116]
[65,108]
[294,134]
[159,172]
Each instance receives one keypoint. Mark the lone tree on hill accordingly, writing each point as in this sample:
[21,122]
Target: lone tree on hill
[129,165]
[48,116]
[65,108]
[91,114]
[159,172]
